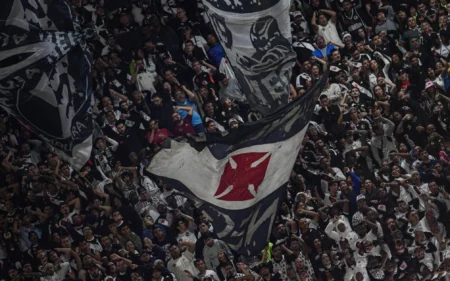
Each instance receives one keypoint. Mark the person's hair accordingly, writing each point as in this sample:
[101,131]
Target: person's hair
[334,51]
[120,122]
[198,260]
[209,123]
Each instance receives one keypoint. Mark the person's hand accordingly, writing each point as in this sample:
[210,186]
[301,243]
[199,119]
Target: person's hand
[383,184]
[71,275]
[335,219]
[374,201]
[346,170]
[123,252]
[189,274]
[114,257]
[313,58]
[435,173]
[213,92]
[406,137]
[148,243]
[420,129]
[133,266]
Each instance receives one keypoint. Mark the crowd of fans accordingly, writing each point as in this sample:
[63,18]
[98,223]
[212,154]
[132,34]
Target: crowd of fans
[368,198]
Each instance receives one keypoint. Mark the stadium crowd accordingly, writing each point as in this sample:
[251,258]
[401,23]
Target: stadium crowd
[368,198]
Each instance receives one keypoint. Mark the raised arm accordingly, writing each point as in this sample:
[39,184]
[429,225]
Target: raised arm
[331,13]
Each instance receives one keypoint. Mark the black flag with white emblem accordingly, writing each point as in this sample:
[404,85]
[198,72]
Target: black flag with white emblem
[44,73]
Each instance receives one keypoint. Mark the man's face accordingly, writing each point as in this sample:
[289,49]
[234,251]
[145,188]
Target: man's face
[139,65]
[421,7]
[212,39]
[411,22]
[117,217]
[336,56]
[197,67]
[110,117]
[347,6]
[65,242]
[175,251]
[121,266]
[100,145]
[121,128]
[320,41]
[176,118]
[189,47]
[200,265]
[209,242]
[212,127]
[157,101]
[322,20]
[181,13]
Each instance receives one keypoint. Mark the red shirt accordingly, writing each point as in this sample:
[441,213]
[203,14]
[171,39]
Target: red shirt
[160,136]
[406,84]
[185,127]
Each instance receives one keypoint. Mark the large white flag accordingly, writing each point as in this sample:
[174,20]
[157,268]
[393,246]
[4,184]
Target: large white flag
[256,37]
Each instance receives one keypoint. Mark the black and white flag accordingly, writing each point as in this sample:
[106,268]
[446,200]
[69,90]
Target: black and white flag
[239,179]
[256,37]
[44,74]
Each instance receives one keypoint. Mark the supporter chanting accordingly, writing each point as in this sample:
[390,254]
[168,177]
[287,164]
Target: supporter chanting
[367,199]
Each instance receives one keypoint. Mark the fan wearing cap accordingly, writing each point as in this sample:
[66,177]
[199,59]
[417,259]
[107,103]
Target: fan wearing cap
[233,123]
[325,27]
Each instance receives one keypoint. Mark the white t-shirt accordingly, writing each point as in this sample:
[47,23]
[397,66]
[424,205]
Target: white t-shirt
[442,51]
[208,273]
[144,81]
[178,266]
[187,236]
[199,41]
[329,33]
